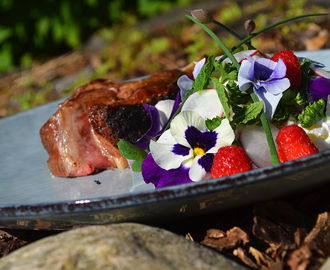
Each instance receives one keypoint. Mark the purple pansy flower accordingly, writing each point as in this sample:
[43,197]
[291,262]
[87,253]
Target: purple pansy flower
[319,88]
[186,149]
[268,80]
[159,114]
[154,174]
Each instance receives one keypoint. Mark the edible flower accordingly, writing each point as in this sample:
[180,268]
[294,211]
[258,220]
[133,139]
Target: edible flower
[185,83]
[319,88]
[186,149]
[159,115]
[268,80]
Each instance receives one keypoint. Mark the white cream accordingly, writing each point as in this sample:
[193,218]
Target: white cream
[319,133]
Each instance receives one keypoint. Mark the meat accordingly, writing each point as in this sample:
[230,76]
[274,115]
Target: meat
[81,137]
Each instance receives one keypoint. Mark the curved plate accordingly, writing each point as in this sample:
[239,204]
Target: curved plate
[31,198]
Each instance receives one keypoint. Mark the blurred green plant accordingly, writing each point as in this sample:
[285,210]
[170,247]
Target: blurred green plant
[42,29]
[130,51]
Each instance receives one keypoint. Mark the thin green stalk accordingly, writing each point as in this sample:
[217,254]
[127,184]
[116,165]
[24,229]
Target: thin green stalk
[269,137]
[267,28]
[249,41]
[248,44]
[221,44]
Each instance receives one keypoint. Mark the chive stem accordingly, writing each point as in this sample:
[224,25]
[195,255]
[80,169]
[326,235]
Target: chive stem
[248,43]
[221,44]
[269,137]
[267,28]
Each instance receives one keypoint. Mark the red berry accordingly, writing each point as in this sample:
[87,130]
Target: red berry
[293,71]
[294,143]
[230,160]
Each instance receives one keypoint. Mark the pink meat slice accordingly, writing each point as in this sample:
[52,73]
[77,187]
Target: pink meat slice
[74,147]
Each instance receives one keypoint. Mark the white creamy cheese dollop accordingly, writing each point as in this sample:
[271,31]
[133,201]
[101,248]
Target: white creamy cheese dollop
[319,133]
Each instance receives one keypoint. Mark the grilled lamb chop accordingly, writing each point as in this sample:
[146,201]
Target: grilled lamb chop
[81,137]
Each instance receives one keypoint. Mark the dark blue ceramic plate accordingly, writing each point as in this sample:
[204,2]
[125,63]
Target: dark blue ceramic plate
[31,198]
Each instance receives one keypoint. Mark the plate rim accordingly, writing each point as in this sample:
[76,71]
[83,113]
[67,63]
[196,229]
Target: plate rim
[163,194]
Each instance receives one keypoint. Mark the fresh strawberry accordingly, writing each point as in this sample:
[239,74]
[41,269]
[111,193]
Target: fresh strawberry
[294,143]
[293,71]
[230,160]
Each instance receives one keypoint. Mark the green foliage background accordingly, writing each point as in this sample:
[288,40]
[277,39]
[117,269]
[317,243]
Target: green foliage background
[41,41]
[34,28]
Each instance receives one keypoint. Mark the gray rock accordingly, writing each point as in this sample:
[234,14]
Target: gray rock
[116,246]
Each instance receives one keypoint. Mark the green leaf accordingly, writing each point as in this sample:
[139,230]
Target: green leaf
[222,94]
[6,56]
[132,152]
[42,26]
[235,95]
[212,124]
[204,75]
[312,113]
[57,30]
[227,71]
[5,33]
[249,112]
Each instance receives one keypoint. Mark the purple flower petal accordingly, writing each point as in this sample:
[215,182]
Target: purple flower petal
[270,101]
[181,150]
[198,67]
[279,71]
[319,88]
[197,138]
[261,71]
[206,162]
[268,80]
[143,143]
[276,87]
[185,84]
[246,75]
[159,177]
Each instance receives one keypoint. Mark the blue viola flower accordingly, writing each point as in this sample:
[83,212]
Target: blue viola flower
[319,88]
[268,80]
[185,83]
[185,152]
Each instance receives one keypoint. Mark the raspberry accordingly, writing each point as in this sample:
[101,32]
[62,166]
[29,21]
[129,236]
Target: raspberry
[230,160]
[294,143]
[293,71]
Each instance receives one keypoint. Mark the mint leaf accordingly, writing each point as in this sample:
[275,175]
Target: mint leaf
[130,151]
[222,94]
[235,95]
[204,75]
[212,124]
[227,71]
[249,112]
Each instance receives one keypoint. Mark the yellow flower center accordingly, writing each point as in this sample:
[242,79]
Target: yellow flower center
[198,151]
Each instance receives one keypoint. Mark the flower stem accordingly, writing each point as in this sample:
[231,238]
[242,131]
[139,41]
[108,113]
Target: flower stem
[269,137]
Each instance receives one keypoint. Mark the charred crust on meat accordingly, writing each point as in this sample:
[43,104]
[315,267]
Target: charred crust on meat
[128,121]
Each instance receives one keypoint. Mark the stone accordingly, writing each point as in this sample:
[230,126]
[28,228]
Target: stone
[116,246]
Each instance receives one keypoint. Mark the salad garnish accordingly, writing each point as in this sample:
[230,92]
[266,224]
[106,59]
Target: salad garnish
[243,87]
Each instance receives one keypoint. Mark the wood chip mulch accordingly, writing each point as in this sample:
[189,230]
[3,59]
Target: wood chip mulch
[288,233]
